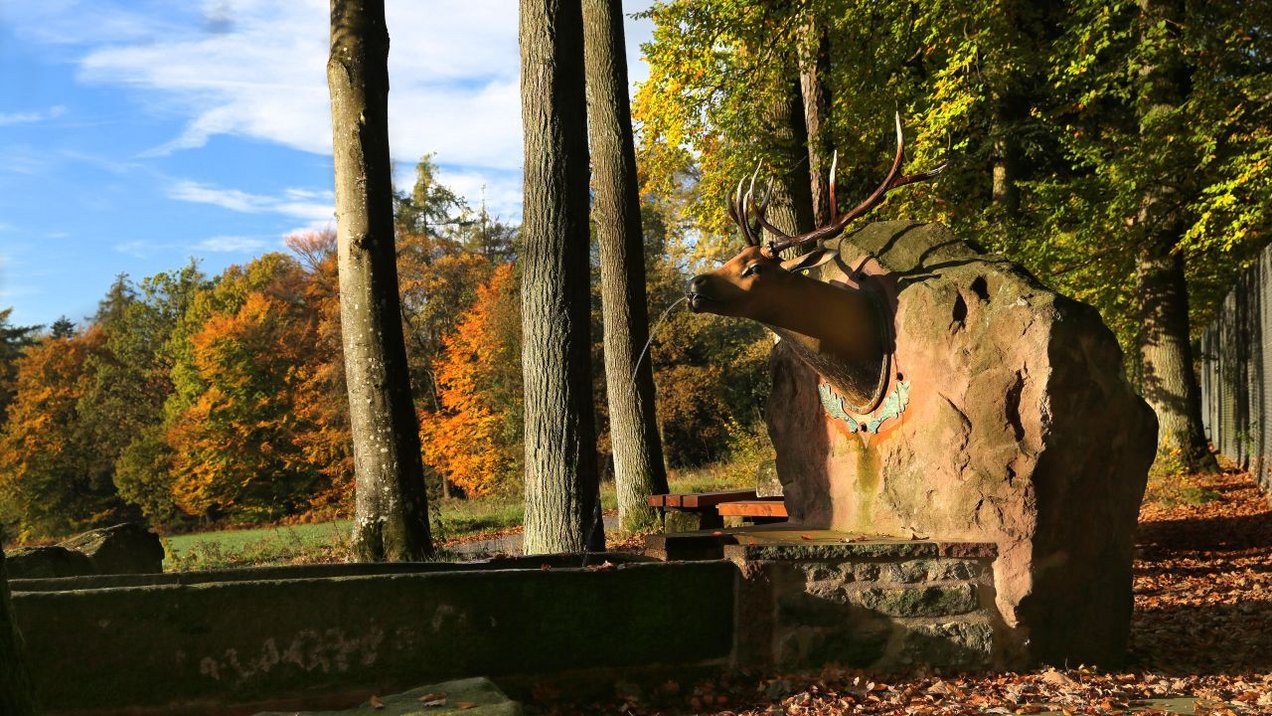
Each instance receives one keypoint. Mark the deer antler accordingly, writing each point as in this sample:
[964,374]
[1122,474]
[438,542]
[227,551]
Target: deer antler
[743,206]
[838,222]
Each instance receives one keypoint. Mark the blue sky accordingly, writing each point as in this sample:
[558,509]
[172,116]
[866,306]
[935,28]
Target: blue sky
[137,134]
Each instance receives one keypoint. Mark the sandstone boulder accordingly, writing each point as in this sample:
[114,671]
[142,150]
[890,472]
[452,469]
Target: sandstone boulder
[1006,418]
[126,548]
[46,562]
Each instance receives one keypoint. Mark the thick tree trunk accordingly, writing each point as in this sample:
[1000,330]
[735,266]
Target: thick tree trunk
[562,492]
[391,520]
[814,69]
[17,696]
[638,458]
[1169,382]
[791,207]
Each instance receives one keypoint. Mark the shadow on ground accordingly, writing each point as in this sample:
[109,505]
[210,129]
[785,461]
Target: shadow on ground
[1203,588]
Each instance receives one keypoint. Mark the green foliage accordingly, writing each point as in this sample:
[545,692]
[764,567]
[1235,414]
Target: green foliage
[1044,103]
[711,372]
[13,341]
[53,478]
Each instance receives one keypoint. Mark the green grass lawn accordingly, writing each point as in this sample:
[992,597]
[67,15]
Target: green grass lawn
[329,541]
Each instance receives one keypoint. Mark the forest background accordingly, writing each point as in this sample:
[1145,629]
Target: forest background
[1119,151]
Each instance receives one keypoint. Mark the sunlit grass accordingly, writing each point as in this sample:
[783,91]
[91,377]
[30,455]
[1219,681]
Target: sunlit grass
[453,520]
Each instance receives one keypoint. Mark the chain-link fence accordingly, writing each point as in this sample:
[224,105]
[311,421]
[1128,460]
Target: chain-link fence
[1236,373]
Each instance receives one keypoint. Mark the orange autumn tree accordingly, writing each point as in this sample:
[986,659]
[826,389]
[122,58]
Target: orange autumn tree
[474,440]
[322,401]
[235,440]
[54,479]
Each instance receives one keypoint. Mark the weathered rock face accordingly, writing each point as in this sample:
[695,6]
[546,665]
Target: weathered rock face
[126,548]
[47,562]
[1007,419]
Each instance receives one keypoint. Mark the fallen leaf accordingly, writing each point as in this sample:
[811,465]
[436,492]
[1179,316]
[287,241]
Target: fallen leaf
[434,699]
[1055,678]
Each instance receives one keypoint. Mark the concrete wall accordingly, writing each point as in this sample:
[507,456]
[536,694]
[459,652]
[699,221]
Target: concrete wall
[276,636]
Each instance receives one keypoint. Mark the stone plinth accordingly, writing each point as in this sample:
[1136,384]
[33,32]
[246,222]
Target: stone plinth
[1006,418]
[808,600]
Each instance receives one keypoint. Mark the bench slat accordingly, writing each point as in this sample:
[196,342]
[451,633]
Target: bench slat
[698,500]
[753,508]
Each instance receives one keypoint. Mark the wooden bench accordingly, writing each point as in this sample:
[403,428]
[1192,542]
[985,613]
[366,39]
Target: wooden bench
[690,511]
[765,508]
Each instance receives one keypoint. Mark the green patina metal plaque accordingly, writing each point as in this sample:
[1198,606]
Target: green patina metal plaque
[891,408]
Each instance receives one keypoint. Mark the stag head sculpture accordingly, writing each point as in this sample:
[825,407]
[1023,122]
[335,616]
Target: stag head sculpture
[839,330]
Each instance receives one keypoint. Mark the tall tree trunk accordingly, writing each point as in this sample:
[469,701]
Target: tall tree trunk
[562,491]
[1170,384]
[391,519]
[17,697]
[638,458]
[791,207]
[1005,195]
[814,69]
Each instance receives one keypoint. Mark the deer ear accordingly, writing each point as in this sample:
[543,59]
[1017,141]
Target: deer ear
[810,260]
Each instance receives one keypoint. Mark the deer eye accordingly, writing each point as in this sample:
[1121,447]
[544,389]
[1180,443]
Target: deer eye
[752,270]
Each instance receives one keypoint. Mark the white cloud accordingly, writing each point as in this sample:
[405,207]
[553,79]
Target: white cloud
[139,249]
[35,117]
[81,22]
[233,244]
[257,69]
[315,206]
[232,199]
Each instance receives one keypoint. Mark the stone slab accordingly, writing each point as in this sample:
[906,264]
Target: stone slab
[167,648]
[477,696]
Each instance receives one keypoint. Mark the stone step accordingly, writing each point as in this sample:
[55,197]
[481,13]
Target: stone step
[472,697]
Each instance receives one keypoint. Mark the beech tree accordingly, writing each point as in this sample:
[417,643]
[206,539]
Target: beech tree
[474,438]
[391,518]
[54,479]
[1168,381]
[638,460]
[562,491]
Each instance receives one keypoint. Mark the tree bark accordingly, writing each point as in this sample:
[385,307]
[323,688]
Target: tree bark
[1169,382]
[791,207]
[391,518]
[814,69]
[17,695]
[562,492]
[1005,193]
[638,460]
